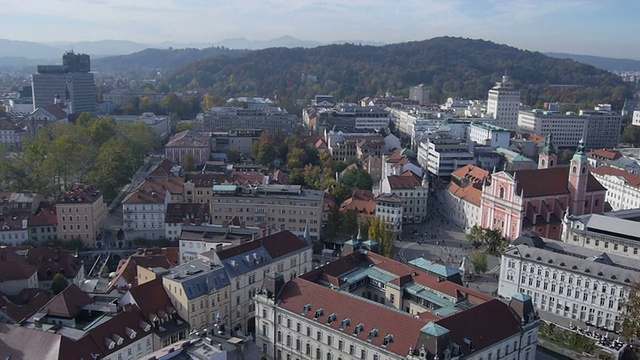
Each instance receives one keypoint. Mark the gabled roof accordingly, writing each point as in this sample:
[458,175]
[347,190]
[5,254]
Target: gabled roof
[68,303]
[178,212]
[276,245]
[174,185]
[152,299]
[127,270]
[80,193]
[54,110]
[472,174]
[405,328]
[189,138]
[28,344]
[468,193]
[408,180]
[53,260]
[163,169]
[605,154]
[44,216]
[556,182]
[484,325]
[631,179]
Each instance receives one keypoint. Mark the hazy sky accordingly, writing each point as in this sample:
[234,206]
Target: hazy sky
[597,27]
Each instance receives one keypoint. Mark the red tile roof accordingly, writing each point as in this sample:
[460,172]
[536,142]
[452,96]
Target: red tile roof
[277,245]
[247,178]
[152,299]
[15,269]
[28,344]
[631,179]
[404,327]
[208,180]
[127,269]
[545,182]
[26,303]
[162,169]
[471,174]
[467,193]
[605,154]
[52,260]
[56,111]
[44,216]
[67,303]
[407,180]
[484,325]
[189,138]
[177,212]
[174,185]
[80,193]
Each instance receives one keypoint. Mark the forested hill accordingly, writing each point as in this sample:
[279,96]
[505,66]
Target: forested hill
[611,64]
[449,66]
[159,59]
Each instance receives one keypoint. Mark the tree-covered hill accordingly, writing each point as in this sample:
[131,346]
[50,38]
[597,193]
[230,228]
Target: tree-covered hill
[166,59]
[449,66]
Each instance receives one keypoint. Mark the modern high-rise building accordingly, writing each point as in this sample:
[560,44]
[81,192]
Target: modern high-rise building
[503,104]
[420,94]
[70,82]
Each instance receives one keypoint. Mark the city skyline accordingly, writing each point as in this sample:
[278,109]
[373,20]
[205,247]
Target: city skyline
[573,26]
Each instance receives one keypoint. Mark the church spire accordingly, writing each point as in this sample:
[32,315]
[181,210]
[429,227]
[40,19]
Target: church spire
[548,157]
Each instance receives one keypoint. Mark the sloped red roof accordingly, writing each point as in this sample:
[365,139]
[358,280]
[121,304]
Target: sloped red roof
[80,193]
[53,260]
[545,182]
[127,268]
[467,193]
[404,327]
[277,245]
[631,179]
[208,180]
[151,298]
[484,325]
[67,303]
[247,178]
[471,173]
[407,180]
[163,169]
[605,154]
[44,216]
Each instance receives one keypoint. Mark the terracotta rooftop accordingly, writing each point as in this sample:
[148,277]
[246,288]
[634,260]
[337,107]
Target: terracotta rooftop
[467,193]
[152,299]
[15,269]
[189,138]
[247,178]
[174,185]
[162,169]
[7,125]
[555,182]
[80,193]
[361,207]
[471,174]
[631,179]
[127,270]
[28,344]
[53,260]
[68,303]
[405,328]
[605,154]
[407,180]
[56,111]
[178,212]
[277,245]
[44,216]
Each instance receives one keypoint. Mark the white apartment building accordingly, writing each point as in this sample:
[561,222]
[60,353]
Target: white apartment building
[483,133]
[583,285]
[248,264]
[442,156]
[623,188]
[195,240]
[312,318]
[420,94]
[414,191]
[503,103]
[11,135]
[635,120]
[462,196]
[275,206]
[274,120]
[599,129]
[616,233]
[390,208]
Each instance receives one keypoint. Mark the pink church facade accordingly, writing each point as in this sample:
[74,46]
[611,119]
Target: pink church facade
[537,200]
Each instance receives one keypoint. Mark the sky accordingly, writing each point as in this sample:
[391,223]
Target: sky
[593,27]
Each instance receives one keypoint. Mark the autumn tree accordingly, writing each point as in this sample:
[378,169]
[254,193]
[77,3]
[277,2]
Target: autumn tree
[380,233]
[479,261]
[492,239]
[631,313]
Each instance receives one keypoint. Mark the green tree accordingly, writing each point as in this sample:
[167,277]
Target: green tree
[492,239]
[233,155]
[266,153]
[171,103]
[104,272]
[357,178]
[349,222]
[631,312]
[58,283]
[631,135]
[188,162]
[184,126]
[113,168]
[479,262]
[296,158]
[476,236]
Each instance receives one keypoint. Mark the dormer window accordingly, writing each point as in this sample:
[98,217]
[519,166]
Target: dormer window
[306,309]
[358,329]
[372,334]
[318,313]
[331,318]
[387,340]
[343,325]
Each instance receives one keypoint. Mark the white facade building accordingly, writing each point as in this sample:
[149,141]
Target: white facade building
[503,104]
[304,319]
[414,191]
[582,285]
[635,120]
[615,233]
[599,129]
[623,188]
[442,156]
[483,133]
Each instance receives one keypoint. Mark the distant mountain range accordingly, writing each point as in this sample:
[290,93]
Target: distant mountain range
[604,63]
[25,53]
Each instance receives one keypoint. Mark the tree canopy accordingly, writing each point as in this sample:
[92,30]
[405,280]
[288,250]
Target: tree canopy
[58,283]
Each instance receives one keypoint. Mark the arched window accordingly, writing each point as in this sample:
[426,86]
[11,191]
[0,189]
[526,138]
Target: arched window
[584,169]
[501,193]
[574,169]
[542,162]
[550,163]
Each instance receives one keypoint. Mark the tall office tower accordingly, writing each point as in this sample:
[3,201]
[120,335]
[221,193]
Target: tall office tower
[503,104]
[72,82]
[420,94]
